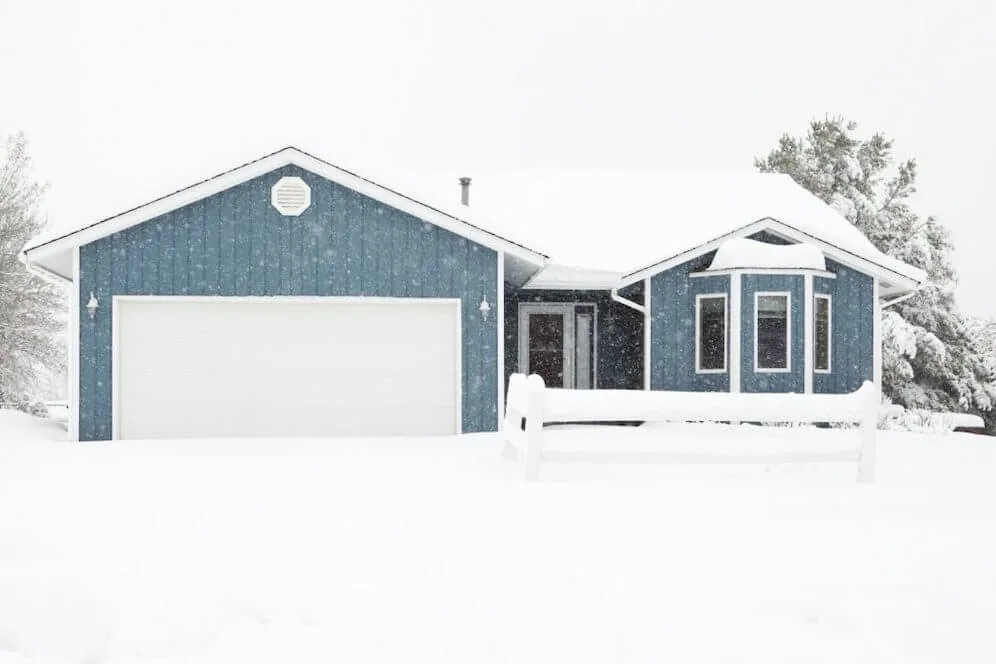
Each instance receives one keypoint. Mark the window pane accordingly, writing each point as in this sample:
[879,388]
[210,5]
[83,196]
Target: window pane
[772,332]
[712,333]
[546,348]
[822,334]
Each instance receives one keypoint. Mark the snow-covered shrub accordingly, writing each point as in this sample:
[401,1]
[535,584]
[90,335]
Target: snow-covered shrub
[25,405]
[931,359]
[918,420]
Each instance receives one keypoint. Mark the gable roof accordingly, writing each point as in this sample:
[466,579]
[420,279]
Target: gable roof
[635,224]
[600,224]
[54,255]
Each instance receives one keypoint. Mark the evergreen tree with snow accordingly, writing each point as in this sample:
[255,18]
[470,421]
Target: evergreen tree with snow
[30,308]
[931,358]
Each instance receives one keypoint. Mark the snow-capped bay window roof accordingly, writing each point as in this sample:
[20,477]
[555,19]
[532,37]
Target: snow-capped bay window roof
[740,253]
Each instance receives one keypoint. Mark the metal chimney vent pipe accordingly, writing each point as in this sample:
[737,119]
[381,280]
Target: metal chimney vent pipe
[465,190]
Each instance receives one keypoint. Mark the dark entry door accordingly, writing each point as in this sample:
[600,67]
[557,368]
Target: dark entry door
[545,347]
[557,342]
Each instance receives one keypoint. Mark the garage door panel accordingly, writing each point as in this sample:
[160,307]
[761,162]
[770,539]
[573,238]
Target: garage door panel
[230,367]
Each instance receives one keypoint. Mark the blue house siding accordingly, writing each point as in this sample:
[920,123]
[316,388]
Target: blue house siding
[619,332]
[754,381]
[672,331]
[852,315]
[234,243]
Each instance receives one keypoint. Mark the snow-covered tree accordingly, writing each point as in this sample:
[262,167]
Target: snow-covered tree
[30,308]
[931,359]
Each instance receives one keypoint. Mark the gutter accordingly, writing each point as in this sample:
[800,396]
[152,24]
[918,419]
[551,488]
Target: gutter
[897,300]
[39,271]
[616,297]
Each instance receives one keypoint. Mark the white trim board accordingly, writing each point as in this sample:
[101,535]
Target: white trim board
[262,166]
[648,350]
[455,303]
[73,350]
[698,332]
[788,330]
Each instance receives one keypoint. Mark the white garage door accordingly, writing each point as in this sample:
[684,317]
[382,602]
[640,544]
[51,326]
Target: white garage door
[216,367]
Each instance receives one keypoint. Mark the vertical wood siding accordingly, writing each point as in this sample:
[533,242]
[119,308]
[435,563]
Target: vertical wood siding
[672,328]
[758,381]
[852,337]
[234,243]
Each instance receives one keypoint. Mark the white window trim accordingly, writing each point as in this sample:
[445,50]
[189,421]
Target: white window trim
[788,330]
[829,299]
[698,333]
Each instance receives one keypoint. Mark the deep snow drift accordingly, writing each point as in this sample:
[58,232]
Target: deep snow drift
[432,550]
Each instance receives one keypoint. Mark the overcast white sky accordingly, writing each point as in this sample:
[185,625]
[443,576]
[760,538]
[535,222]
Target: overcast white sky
[127,100]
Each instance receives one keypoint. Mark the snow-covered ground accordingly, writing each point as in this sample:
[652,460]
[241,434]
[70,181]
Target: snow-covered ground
[16,427]
[433,550]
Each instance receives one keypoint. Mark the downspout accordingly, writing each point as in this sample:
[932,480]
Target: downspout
[616,297]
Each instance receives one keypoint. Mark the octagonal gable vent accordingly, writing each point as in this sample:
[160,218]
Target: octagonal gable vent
[291,196]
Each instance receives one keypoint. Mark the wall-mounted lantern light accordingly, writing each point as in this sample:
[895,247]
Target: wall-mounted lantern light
[485,309]
[91,306]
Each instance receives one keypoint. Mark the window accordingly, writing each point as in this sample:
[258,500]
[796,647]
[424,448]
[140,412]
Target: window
[821,338]
[710,333]
[771,332]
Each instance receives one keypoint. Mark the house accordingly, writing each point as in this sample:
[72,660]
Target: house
[292,297]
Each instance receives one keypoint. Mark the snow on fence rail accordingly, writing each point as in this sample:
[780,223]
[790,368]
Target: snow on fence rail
[529,405]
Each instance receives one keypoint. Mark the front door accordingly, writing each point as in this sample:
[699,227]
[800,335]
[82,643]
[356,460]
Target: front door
[556,341]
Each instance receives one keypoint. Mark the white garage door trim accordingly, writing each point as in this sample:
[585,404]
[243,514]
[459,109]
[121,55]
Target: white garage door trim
[116,300]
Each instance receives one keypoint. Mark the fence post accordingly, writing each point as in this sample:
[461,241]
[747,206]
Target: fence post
[535,400]
[513,406]
[869,423]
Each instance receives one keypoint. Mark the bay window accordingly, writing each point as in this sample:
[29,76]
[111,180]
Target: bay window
[772,332]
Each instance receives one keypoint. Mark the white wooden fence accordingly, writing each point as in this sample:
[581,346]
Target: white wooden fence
[529,405]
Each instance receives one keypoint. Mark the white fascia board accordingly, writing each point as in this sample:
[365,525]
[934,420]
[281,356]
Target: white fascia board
[789,232]
[260,167]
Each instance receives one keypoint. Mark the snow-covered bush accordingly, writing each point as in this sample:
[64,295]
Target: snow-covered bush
[918,420]
[931,358]
[31,407]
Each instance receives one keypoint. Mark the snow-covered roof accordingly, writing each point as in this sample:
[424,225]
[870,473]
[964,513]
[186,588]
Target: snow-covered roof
[741,252]
[559,277]
[601,224]
[628,222]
